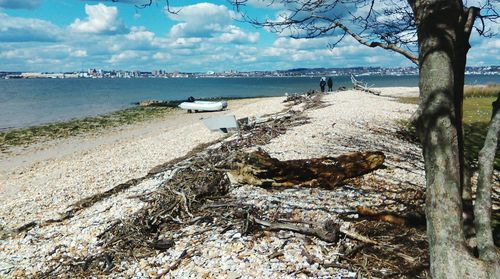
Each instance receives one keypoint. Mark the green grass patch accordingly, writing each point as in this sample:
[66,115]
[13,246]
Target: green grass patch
[477,109]
[477,115]
[26,136]
[476,119]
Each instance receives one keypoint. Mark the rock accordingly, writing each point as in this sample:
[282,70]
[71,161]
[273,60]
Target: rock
[232,275]
[163,244]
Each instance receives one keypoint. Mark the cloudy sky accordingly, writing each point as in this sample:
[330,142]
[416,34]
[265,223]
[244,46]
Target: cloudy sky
[68,35]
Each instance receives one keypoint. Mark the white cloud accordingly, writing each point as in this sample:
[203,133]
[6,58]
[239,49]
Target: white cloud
[79,53]
[186,43]
[101,19]
[20,4]
[162,56]
[126,55]
[140,34]
[235,35]
[484,52]
[316,43]
[201,20]
[207,20]
[17,29]
[265,4]
[204,37]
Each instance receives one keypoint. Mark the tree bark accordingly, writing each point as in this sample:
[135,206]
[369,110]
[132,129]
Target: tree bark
[482,209]
[442,51]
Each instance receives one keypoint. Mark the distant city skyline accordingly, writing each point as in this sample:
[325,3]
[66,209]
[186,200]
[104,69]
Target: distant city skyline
[60,36]
[299,72]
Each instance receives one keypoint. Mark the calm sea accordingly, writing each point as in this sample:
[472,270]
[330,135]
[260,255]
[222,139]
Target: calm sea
[28,102]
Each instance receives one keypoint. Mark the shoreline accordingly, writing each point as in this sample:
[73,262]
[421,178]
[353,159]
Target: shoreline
[81,204]
[66,161]
[50,186]
[113,119]
[86,129]
[82,165]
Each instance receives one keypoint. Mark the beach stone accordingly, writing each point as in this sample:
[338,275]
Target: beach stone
[232,275]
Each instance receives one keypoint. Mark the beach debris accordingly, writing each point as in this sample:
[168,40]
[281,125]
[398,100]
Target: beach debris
[259,169]
[358,85]
[298,98]
[192,179]
[194,223]
[411,219]
[329,231]
[157,103]
[222,123]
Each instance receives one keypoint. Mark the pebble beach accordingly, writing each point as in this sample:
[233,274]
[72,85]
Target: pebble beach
[42,182]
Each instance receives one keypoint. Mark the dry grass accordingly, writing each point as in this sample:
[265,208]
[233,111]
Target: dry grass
[476,91]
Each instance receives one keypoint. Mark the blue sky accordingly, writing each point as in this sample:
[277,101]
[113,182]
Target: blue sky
[67,35]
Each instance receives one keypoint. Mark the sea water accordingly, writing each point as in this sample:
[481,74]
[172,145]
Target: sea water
[28,102]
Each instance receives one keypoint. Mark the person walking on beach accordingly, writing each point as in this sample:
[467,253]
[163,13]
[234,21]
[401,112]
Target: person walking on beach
[330,84]
[322,84]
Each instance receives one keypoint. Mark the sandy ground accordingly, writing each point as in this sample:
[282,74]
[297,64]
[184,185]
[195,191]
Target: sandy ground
[38,181]
[42,181]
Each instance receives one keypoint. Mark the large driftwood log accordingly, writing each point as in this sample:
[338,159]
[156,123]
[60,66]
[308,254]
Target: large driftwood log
[259,169]
[358,85]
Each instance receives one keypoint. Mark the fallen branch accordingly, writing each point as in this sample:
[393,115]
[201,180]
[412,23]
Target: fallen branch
[184,255]
[329,233]
[358,85]
[260,169]
[410,220]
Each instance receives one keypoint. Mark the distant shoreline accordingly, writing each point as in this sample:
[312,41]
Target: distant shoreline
[296,72]
[125,112]
[239,76]
[24,136]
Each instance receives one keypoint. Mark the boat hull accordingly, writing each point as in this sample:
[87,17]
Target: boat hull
[203,105]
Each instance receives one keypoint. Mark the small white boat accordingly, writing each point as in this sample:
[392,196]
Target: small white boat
[203,106]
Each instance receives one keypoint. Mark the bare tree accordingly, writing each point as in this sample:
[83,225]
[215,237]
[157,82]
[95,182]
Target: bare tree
[434,34]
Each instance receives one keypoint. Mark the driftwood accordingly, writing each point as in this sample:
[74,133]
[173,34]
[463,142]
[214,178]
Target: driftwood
[410,220]
[358,85]
[329,232]
[259,169]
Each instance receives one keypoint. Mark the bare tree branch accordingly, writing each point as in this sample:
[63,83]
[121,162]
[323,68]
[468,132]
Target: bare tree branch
[362,41]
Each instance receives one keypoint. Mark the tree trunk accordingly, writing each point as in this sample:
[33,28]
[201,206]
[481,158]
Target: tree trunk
[442,52]
[482,209]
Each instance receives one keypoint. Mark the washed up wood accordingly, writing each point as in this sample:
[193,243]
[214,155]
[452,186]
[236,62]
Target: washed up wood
[358,85]
[298,98]
[328,232]
[157,103]
[259,169]
[412,219]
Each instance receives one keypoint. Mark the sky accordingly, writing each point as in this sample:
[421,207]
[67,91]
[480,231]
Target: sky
[72,35]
